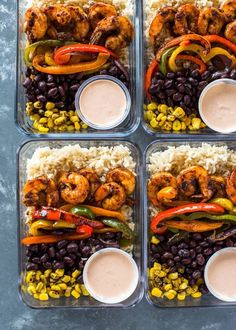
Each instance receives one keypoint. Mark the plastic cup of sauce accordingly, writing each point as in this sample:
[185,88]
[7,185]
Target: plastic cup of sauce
[220,274]
[103,102]
[110,275]
[217,105]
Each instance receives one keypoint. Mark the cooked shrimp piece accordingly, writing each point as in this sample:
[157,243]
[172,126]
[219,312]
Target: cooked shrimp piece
[210,21]
[93,179]
[40,191]
[229,10]
[74,187]
[100,10]
[124,177]
[35,24]
[186,19]
[110,195]
[64,18]
[161,28]
[114,32]
[193,180]
[230,31]
[231,186]
[162,188]
[218,185]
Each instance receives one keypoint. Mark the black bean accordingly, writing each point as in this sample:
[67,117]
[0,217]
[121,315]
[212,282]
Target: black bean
[58,265]
[43,247]
[44,258]
[47,265]
[61,90]
[72,247]
[50,78]
[61,244]
[68,260]
[177,258]
[81,265]
[33,248]
[202,84]
[41,98]
[203,289]
[188,270]
[170,75]
[183,253]
[31,266]
[51,252]
[216,248]
[186,261]
[192,253]
[99,247]
[162,95]
[59,105]
[233,74]
[196,274]
[168,83]
[194,264]
[204,244]
[27,82]
[206,75]
[181,79]
[193,81]
[200,259]
[181,88]
[154,89]
[52,92]
[183,245]
[177,97]
[174,249]
[193,244]
[170,92]
[195,74]
[170,262]
[187,99]
[63,252]
[74,88]
[36,260]
[86,250]
[192,281]
[170,102]
[207,251]
[197,236]
[38,77]
[168,255]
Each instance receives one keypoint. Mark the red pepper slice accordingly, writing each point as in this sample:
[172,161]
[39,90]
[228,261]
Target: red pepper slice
[201,64]
[188,208]
[53,238]
[63,54]
[148,78]
[221,40]
[84,229]
[53,214]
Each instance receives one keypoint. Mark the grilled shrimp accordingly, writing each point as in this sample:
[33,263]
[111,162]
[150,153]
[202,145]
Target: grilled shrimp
[186,19]
[230,31]
[35,24]
[110,195]
[93,179]
[218,185]
[231,186]
[124,177]
[66,18]
[100,10]
[193,179]
[162,188]
[229,10]
[74,187]
[210,21]
[161,28]
[40,191]
[115,32]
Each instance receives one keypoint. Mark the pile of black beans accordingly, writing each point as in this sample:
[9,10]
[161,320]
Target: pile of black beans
[183,88]
[190,254]
[68,255]
[61,89]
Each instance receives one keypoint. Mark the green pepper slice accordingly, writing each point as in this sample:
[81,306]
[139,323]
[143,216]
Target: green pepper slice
[121,226]
[164,57]
[83,211]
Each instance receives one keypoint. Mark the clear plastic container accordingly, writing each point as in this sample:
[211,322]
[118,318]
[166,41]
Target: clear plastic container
[206,300]
[128,126]
[25,152]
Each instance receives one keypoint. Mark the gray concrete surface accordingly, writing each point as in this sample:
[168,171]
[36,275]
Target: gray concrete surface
[14,315]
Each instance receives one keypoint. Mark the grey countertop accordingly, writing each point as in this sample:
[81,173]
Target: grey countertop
[13,313]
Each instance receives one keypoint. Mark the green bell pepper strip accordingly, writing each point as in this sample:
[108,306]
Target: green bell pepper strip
[83,210]
[164,57]
[121,226]
[200,215]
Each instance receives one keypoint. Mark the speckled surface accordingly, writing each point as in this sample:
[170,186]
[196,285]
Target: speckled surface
[14,315]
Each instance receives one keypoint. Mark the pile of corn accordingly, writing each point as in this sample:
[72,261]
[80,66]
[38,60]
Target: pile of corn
[48,118]
[42,285]
[171,285]
[160,116]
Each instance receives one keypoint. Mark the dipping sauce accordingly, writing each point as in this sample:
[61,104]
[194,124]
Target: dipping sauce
[110,275]
[217,105]
[102,102]
[220,274]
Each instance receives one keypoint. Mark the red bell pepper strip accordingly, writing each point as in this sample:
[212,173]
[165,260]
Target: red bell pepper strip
[221,40]
[188,208]
[53,238]
[63,54]
[148,78]
[84,229]
[201,64]
[53,214]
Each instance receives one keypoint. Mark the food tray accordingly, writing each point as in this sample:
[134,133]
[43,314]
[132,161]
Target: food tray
[207,300]
[25,152]
[134,60]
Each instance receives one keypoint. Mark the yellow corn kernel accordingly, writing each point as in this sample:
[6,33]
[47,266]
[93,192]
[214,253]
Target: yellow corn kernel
[196,294]
[74,119]
[168,287]
[36,296]
[196,122]
[170,117]
[161,274]
[50,105]
[176,125]
[144,107]
[154,123]
[50,123]
[31,289]
[47,272]
[173,276]
[162,121]
[55,287]
[73,280]
[68,291]
[156,292]
[183,126]
[84,290]
[38,275]
[189,291]
[190,127]
[63,113]
[38,105]
[195,288]
[77,126]
[166,280]
[54,294]
[185,280]
[54,276]
[55,110]
[170,294]
[30,276]
[66,278]
[62,128]
[167,126]
[62,286]
[35,124]
[150,115]
[71,113]
[155,240]
[43,120]
[152,273]
[77,288]
[199,281]
[145,116]
[41,112]
[70,128]
[75,294]
[170,110]
[183,286]
[43,296]
[187,121]
[35,117]
[152,106]
[76,273]
[39,287]
[203,125]
[48,113]
[179,112]
[175,283]
[42,128]
[163,108]
[181,296]
[55,116]
[157,266]
[84,126]
[59,120]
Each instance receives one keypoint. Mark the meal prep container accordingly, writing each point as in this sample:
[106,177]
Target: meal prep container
[25,152]
[207,300]
[134,60]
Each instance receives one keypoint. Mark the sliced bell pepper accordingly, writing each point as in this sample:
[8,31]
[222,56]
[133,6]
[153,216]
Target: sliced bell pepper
[84,229]
[164,58]
[35,227]
[188,208]
[53,238]
[202,66]
[219,51]
[49,58]
[106,213]
[82,210]
[106,230]
[200,215]
[193,226]
[148,78]
[223,235]
[224,202]
[122,227]
[63,54]
[38,60]
[221,40]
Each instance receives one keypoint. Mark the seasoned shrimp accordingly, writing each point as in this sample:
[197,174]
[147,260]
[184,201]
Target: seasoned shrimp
[93,180]
[40,191]
[210,21]
[229,10]
[218,185]
[161,28]
[110,195]
[193,179]
[74,187]
[162,188]
[186,19]
[36,24]
[124,177]
[115,32]
[231,186]
[230,31]
[100,10]
[65,18]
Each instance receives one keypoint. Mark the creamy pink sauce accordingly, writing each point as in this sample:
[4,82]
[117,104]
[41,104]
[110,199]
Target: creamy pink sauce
[222,274]
[219,107]
[110,275]
[103,102]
